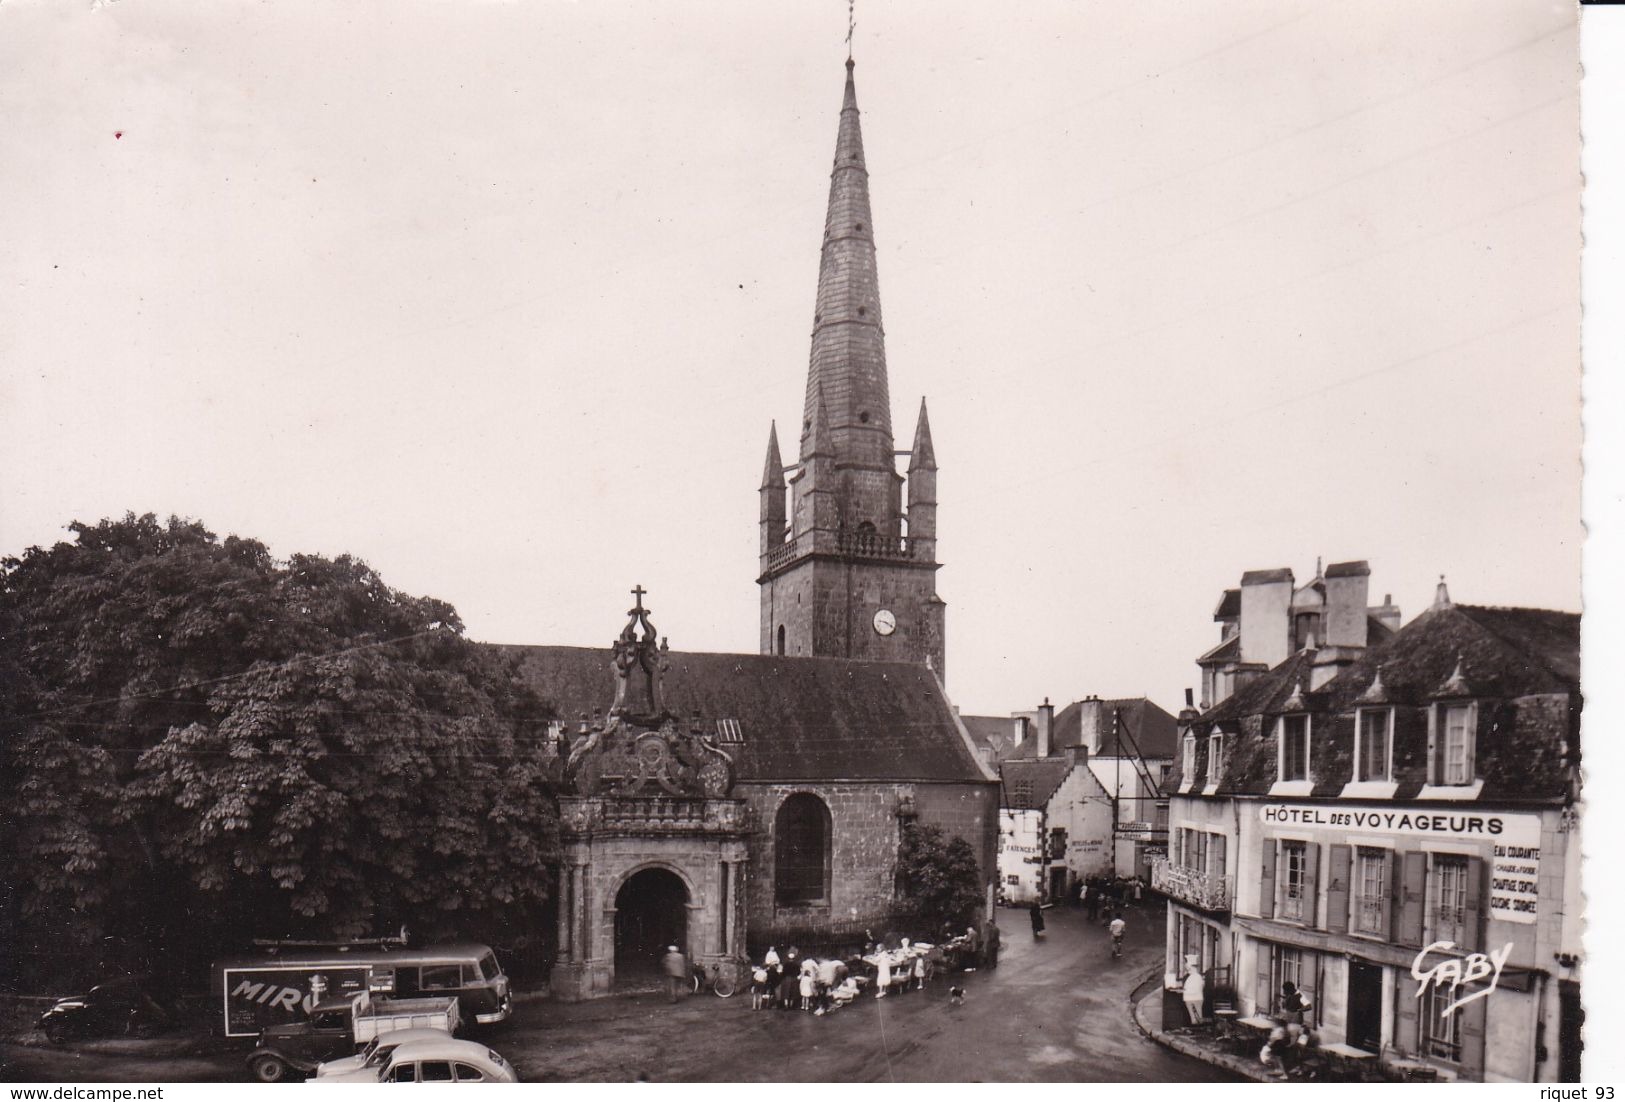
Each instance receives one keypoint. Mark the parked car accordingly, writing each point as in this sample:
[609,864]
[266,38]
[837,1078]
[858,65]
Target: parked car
[377,1052]
[434,1061]
[124,1006]
[336,1027]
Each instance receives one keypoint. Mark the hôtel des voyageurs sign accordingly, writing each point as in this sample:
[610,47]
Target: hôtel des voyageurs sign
[1513,841]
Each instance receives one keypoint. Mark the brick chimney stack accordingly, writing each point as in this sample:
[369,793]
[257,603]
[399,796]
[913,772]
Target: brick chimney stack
[1046,727]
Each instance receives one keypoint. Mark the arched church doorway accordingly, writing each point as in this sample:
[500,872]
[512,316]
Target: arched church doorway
[651,912]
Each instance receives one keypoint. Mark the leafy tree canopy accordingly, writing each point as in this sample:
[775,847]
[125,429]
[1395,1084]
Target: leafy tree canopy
[203,744]
[938,878]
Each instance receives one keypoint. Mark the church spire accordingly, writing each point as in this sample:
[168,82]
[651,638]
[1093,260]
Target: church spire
[848,361]
[773,470]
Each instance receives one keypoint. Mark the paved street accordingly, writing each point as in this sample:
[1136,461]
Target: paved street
[1054,1011]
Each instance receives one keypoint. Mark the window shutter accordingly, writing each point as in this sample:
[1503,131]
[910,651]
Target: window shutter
[1218,853]
[1413,891]
[1309,986]
[1311,883]
[1337,890]
[1472,921]
[1266,990]
[1405,1010]
[1266,879]
[1433,771]
[1472,742]
[1472,1039]
[1387,916]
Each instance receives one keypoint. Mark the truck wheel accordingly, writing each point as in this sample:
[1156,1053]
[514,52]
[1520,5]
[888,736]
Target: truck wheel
[268,1069]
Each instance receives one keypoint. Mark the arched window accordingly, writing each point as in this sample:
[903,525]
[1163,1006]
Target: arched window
[781,638]
[801,850]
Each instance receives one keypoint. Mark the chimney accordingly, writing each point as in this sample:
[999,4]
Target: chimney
[1348,587]
[1018,731]
[1046,727]
[1089,721]
[1188,714]
[1387,613]
[1266,616]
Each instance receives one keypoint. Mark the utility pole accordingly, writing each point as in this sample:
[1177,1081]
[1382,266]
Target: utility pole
[1117,784]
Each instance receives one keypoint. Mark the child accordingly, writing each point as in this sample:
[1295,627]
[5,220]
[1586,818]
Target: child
[758,988]
[920,971]
[809,985]
[845,991]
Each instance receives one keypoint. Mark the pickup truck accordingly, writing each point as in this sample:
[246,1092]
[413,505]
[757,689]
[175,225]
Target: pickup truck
[337,1027]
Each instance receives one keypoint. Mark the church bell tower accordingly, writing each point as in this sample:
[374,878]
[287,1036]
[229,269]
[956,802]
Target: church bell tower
[846,571]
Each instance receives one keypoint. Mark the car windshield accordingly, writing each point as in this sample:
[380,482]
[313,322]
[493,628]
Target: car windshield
[374,1053]
[489,967]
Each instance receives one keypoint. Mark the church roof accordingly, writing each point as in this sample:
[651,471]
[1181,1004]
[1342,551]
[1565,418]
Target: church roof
[797,719]
[847,366]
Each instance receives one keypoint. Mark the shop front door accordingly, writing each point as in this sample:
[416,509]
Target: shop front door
[1365,1006]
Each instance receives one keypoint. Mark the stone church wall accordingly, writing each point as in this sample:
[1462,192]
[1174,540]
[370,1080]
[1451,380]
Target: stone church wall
[866,833]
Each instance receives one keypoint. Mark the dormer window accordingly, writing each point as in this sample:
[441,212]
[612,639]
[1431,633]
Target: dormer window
[1454,744]
[1373,744]
[1292,733]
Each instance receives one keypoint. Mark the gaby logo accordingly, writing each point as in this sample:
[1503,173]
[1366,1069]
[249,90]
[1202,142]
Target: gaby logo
[1456,972]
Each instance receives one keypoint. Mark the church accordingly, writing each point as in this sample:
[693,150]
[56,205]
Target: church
[725,802]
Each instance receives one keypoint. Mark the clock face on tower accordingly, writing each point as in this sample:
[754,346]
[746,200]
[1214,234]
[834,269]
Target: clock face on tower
[885,622]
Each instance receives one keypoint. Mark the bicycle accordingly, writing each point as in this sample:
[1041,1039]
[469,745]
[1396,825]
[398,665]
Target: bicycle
[721,986]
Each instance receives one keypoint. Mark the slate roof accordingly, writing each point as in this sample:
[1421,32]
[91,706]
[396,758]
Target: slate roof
[1147,727]
[1505,652]
[1521,665]
[1029,783]
[992,732]
[802,719]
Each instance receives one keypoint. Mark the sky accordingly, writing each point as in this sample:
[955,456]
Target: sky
[502,298]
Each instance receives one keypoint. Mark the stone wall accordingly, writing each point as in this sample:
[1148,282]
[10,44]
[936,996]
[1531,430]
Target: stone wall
[866,834]
[827,607]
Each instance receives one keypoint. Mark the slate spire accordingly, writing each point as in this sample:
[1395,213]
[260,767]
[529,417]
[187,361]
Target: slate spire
[773,470]
[847,365]
[923,457]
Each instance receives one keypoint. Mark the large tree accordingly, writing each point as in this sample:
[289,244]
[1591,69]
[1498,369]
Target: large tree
[203,744]
[939,881]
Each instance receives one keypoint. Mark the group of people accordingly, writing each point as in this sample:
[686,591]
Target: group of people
[889,966]
[1107,895]
[1290,1041]
[793,981]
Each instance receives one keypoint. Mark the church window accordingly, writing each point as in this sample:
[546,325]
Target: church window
[862,311]
[864,417]
[859,227]
[801,850]
[781,638]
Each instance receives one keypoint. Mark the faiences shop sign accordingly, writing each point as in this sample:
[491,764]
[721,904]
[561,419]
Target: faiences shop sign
[1514,842]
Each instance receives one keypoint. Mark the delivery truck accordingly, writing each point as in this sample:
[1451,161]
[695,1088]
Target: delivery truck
[284,983]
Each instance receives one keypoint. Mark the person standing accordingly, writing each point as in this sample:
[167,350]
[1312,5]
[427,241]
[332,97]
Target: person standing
[790,988]
[990,943]
[1037,916]
[675,965]
[973,949]
[1195,992]
[1092,885]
